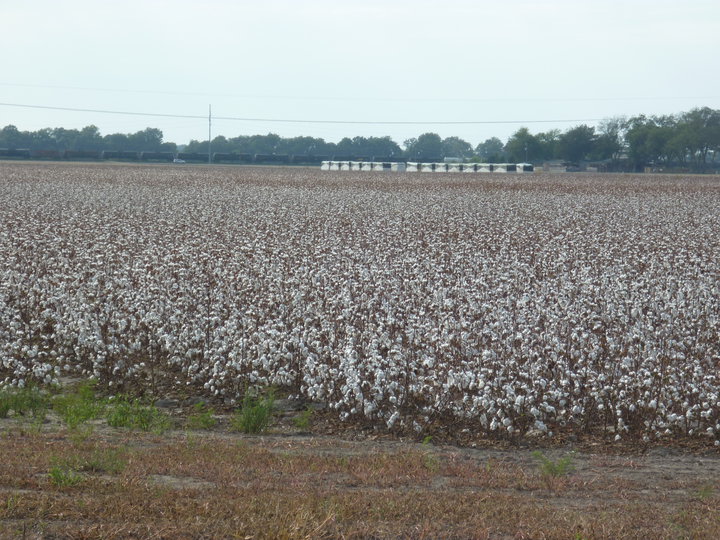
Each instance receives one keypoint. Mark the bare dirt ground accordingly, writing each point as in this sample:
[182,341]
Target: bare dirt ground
[289,483]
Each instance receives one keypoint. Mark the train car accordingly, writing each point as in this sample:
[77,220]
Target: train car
[225,157]
[307,159]
[45,154]
[81,154]
[193,156]
[157,156]
[110,154]
[15,153]
[129,154]
[272,158]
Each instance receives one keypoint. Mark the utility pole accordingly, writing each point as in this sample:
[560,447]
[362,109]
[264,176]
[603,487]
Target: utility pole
[209,134]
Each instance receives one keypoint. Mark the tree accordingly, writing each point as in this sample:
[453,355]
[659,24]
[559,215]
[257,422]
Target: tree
[89,138]
[548,144]
[492,150]
[577,143]
[426,147]
[522,147]
[608,143]
[12,137]
[456,147]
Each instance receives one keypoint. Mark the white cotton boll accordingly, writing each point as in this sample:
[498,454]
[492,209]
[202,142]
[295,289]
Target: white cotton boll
[617,437]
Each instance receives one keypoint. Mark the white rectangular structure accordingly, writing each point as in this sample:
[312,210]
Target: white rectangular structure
[426,167]
[325,166]
[454,167]
[412,167]
[345,166]
[468,167]
[366,166]
[399,167]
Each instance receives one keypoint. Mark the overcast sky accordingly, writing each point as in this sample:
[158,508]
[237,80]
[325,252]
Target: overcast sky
[489,63]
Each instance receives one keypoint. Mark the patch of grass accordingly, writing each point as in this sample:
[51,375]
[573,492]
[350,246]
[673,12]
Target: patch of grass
[303,420]
[110,460]
[62,475]
[22,401]
[133,414]
[201,418]
[560,467]
[78,407]
[255,414]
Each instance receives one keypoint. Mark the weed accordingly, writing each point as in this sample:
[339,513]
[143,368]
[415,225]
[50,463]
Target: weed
[62,475]
[134,415]
[303,420]
[561,467]
[22,401]
[104,461]
[202,418]
[705,492]
[255,414]
[81,434]
[80,406]
[427,440]
[431,462]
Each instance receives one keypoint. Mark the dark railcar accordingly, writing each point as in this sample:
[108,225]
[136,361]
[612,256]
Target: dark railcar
[272,158]
[219,157]
[193,156]
[304,159]
[157,156]
[14,153]
[81,154]
[45,154]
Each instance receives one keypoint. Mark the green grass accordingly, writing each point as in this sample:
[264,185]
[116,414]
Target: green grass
[62,475]
[303,420]
[255,414]
[560,467]
[133,414]
[201,418]
[78,407]
[22,401]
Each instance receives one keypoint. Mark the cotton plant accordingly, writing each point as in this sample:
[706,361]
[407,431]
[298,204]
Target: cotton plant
[505,306]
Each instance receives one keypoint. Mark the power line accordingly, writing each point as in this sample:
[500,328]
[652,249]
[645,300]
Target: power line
[361,98]
[304,121]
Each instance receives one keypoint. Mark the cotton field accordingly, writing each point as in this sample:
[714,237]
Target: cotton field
[507,306]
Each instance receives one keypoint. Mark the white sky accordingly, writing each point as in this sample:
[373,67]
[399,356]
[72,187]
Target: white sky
[371,60]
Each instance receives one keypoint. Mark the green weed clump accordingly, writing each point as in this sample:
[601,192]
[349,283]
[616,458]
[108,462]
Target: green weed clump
[303,420]
[560,467]
[133,414]
[255,414]
[78,407]
[202,417]
[22,401]
[62,475]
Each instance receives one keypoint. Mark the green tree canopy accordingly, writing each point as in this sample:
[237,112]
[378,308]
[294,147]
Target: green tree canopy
[427,146]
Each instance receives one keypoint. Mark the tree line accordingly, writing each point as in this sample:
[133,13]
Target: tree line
[87,138]
[685,140]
